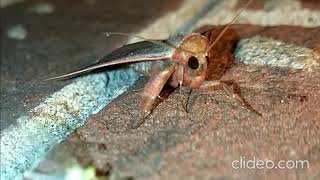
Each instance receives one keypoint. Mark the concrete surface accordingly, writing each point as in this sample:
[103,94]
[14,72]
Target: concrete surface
[56,43]
[173,144]
[201,144]
[26,140]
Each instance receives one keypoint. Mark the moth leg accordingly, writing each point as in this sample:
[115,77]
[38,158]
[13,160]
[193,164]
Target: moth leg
[159,97]
[230,91]
[155,70]
[186,106]
[177,81]
[153,88]
[208,87]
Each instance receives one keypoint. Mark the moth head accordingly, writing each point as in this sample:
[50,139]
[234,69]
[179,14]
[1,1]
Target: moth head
[192,56]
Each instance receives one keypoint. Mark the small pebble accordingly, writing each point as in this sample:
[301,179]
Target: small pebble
[17,32]
[42,8]
[265,51]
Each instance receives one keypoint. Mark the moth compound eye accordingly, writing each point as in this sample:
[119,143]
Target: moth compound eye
[193,63]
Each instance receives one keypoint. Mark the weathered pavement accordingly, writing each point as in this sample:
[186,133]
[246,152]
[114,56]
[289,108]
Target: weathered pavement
[171,143]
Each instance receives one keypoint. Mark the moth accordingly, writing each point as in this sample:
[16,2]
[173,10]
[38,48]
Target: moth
[177,61]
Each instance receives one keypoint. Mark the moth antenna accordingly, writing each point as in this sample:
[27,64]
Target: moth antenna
[228,25]
[140,37]
[106,64]
[146,39]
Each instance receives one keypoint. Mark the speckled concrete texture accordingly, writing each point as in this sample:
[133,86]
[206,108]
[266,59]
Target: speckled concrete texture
[201,144]
[25,143]
[30,42]
[265,51]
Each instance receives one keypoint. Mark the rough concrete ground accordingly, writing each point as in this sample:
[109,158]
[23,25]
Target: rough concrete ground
[174,144]
[57,42]
[200,145]
[32,133]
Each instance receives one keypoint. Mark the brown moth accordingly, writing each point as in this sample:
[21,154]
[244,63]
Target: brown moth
[176,61]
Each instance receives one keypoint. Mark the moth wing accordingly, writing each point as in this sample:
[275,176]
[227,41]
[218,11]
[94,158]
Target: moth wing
[131,53]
